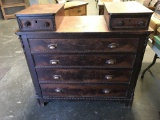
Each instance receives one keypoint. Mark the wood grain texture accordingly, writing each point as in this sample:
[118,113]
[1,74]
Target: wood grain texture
[126,7]
[121,16]
[40,9]
[76,90]
[31,20]
[100,45]
[84,61]
[47,75]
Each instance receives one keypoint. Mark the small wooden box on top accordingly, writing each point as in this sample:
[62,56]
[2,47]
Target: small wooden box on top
[123,16]
[41,17]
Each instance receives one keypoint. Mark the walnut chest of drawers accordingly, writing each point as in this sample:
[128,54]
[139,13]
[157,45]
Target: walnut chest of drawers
[84,61]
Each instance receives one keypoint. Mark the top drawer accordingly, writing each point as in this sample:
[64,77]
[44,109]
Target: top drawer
[41,17]
[36,23]
[129,23]
[122,16]
[84,45]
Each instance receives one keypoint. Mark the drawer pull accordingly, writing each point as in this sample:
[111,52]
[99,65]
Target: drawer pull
[141,23]
[52,46]
[46,24]
[54,62]
[113,45]
[109,77]
[111,62]
[58,90]
[106,91]
[78,11]
[120,23]
[27,24]
[56,77]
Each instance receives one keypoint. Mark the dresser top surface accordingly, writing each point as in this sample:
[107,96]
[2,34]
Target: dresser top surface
[83,24]
[126,7]
[87,24]
[40,9]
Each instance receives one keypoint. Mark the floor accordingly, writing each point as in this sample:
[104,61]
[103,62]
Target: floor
[18,101]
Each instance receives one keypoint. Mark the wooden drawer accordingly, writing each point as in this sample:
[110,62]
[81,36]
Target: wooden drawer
[78,11]
[84,45]
[121,16]
[36,23]
[86,61]
[129,23]
[67,12]
[77,90]
[48,75]
[41,17]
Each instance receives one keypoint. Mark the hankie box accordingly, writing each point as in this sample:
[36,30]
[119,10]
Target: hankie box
[41,17]
[127,15]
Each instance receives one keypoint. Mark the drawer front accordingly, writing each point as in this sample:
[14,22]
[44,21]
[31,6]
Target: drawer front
[82,76]
[129,23]
[66,12]
[84,45]
[36,23]
[75,90]
[102,61]
[78,11]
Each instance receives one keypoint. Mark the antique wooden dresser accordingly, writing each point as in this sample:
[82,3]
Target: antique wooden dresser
[80,59]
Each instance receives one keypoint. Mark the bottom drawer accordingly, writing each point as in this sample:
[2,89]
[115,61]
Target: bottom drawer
[77,90]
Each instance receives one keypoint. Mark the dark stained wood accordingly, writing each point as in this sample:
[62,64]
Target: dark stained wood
[84,60]
[75,90]
[30,19]
[88,45]
[49,75]
[121,15]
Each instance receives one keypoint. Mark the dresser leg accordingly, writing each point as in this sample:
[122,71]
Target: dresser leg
[41,102]
[128,103]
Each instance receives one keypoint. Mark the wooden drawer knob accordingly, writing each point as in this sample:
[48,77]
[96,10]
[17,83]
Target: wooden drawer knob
[46,24]
[27,24]
[78,11]
[141,23]
[120,23]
